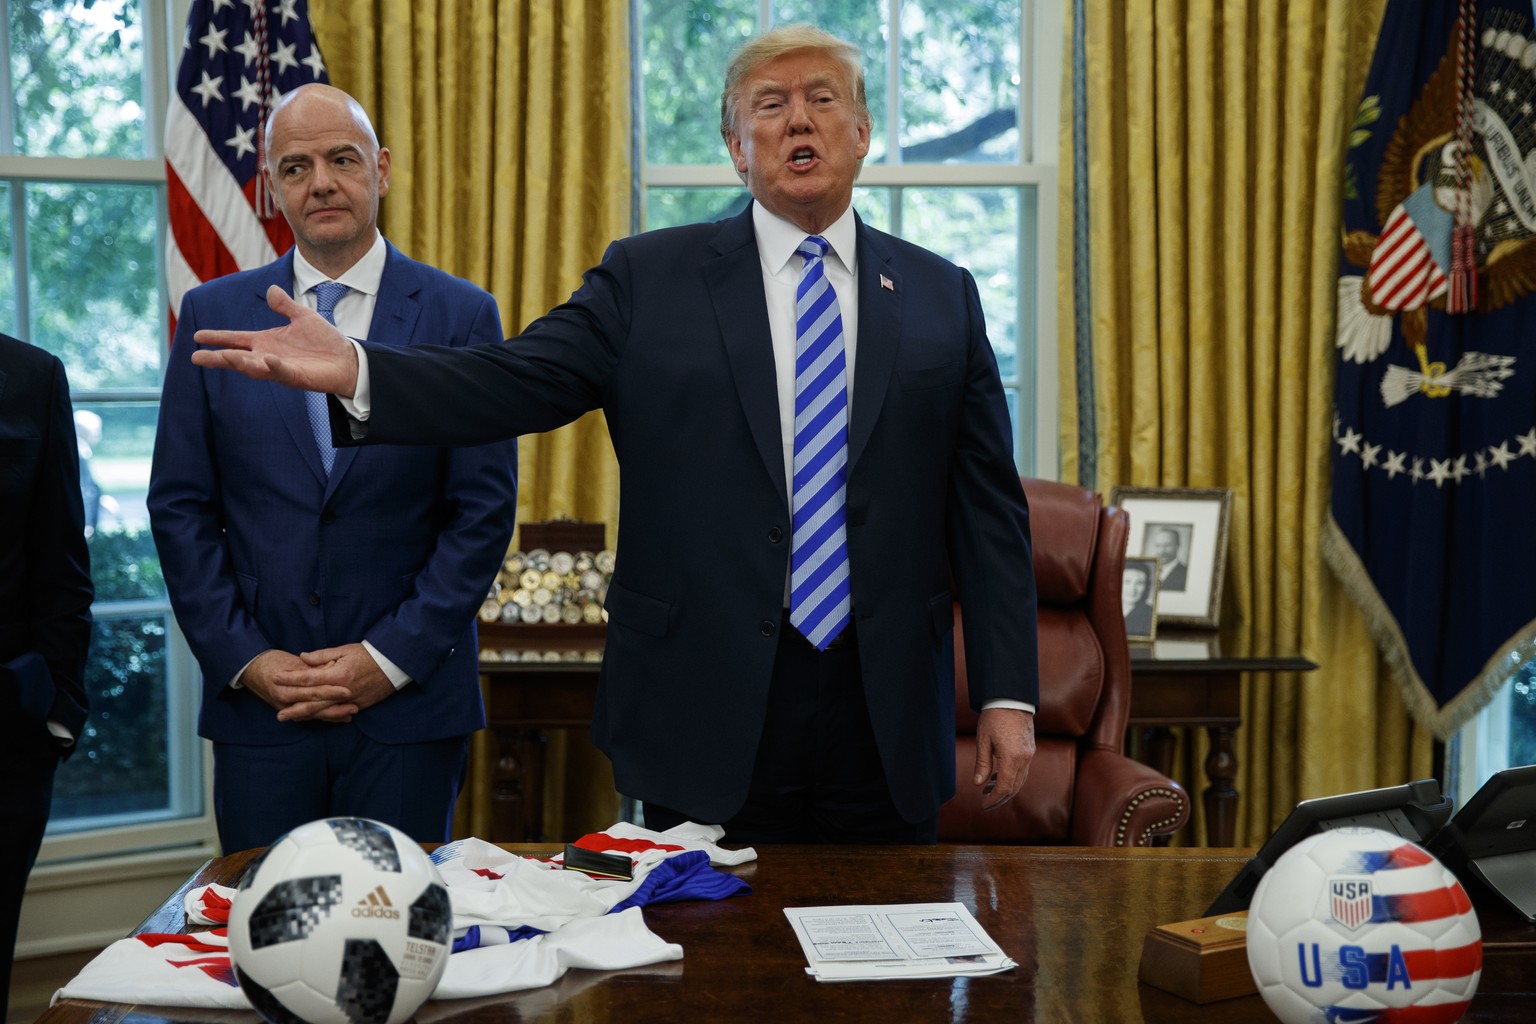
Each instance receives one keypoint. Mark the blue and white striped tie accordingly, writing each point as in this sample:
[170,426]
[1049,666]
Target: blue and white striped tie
[327,293]
[820,598]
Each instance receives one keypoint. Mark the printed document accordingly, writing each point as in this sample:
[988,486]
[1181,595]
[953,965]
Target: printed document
[903,940]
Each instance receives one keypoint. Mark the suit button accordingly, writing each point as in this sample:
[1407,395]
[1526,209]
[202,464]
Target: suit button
[314,599]
[775,534]
[327,517]
[768,626]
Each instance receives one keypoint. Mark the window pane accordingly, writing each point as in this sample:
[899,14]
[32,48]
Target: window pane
[684,50]
[7,270]
[1501,735]
[93,291]
[136,758]
[77,75]
[960,81]
[1522,716]
[670,207]
[873,206]
[116,442]
[977,228]
[122,767]
[864,25]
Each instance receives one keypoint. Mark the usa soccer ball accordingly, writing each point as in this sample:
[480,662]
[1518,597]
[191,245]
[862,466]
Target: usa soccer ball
[1353,923]
[341,921]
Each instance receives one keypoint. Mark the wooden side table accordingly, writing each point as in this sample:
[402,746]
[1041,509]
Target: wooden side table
[545,678]
[1187,679]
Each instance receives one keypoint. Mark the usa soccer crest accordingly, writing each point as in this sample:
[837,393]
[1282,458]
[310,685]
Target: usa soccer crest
[1434,430]
[1349,900]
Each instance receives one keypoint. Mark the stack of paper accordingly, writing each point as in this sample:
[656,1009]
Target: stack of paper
[907,940]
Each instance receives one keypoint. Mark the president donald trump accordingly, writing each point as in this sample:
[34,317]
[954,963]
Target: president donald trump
[815,465]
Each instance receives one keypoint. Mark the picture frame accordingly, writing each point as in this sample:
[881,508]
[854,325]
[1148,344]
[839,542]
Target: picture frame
[1138,598]
[1186,529]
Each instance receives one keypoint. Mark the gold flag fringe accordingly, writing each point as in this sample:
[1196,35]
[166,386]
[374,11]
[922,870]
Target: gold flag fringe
[1340,556]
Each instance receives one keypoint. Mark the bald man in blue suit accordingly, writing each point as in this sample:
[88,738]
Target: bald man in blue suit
[332,609]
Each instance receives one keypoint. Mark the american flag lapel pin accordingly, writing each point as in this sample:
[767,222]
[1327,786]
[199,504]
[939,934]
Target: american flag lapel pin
[887,283]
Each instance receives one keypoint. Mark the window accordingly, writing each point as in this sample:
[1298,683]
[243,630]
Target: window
[1501,735]
[81,235]
[964,99]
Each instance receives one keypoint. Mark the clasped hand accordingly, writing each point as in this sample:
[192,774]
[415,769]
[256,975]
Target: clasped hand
[329,685]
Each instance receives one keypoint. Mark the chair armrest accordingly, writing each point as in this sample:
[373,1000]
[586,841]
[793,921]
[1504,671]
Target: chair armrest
[1118,801]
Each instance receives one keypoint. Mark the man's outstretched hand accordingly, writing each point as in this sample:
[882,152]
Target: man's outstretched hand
[307,353]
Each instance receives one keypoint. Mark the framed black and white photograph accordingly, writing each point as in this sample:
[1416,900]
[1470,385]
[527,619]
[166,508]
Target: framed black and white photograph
[1138,598]
[1185,529]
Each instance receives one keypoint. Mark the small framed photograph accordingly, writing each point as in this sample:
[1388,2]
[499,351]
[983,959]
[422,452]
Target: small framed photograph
[1138,598]
[1185,529]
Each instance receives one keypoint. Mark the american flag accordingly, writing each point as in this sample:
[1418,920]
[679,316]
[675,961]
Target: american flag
[1406,272]
[239,57]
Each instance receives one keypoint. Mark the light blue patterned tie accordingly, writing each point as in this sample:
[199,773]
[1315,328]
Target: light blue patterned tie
[820,598]
[327,294]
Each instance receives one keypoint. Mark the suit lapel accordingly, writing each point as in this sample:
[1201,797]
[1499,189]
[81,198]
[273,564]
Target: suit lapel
[735,282]
[880,298]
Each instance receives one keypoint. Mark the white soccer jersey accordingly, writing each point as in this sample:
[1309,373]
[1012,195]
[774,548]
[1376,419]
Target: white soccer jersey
[488,887]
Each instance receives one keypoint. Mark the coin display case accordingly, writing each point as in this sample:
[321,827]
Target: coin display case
[546,603]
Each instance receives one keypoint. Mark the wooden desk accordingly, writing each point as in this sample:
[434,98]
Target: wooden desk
[1073,919]
[1195,679]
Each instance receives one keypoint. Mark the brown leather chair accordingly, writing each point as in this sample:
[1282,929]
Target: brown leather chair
[1082,790]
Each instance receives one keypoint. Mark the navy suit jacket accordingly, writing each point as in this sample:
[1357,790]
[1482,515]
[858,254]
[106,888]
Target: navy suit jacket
[261,550]
[45,574]
[669,336]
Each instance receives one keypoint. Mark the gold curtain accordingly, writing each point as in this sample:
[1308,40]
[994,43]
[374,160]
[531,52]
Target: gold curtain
[1215,141]
[509,126]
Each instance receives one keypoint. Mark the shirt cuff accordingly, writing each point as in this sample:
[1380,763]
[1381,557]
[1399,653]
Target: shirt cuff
[396,674]
[361,403]
[1014,705]
[235,683]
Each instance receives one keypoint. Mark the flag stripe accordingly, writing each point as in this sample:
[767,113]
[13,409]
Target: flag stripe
[237,60]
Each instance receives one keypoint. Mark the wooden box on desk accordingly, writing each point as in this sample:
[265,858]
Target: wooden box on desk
[1203,960]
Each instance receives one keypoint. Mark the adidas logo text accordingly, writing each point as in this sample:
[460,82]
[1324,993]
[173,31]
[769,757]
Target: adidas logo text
[376,904]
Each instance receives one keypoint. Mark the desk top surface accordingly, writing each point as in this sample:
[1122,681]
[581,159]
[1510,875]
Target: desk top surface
[1073,919]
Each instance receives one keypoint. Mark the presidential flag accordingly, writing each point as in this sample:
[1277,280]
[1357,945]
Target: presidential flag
[1434,431]
[239,57]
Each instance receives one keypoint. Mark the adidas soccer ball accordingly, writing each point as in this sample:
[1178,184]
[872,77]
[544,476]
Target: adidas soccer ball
[341,921]
[1353,922]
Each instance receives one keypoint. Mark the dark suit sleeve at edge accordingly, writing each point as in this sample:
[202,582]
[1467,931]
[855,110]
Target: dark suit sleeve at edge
[59,568]
[989,534]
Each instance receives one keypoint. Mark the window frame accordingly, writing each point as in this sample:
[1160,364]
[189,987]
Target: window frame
[188,769]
